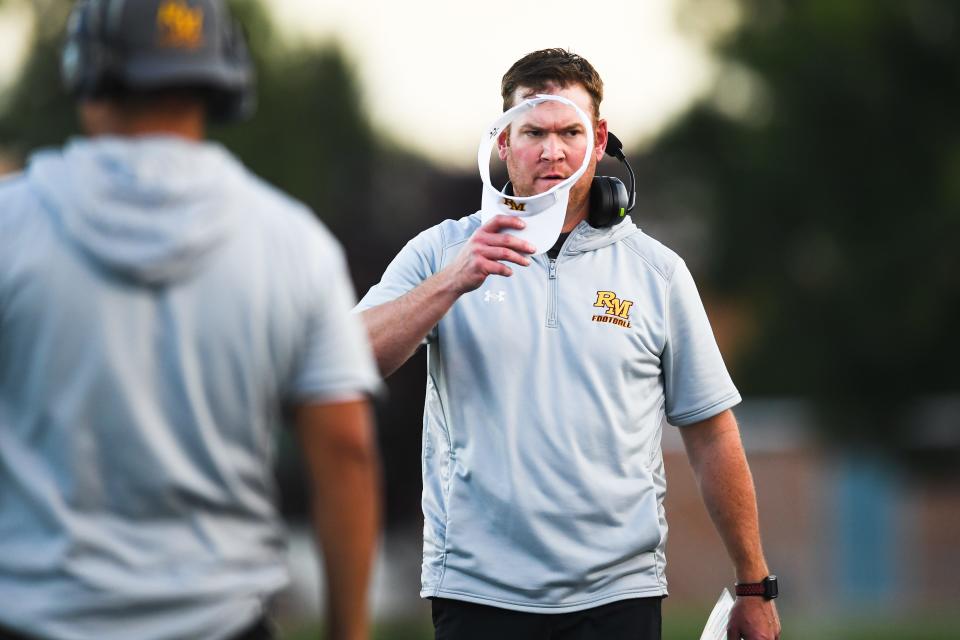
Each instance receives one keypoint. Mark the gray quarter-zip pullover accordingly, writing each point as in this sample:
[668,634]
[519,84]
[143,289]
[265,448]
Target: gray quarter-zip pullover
[543,477]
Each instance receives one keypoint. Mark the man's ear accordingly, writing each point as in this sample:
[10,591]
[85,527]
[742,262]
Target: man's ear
[503,144]
[600,139]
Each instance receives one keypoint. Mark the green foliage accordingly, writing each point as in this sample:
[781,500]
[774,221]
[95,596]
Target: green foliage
[394,630]
[310,136]
[37,113]
[834,201]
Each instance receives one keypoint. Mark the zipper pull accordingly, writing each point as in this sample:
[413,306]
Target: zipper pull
[553,269]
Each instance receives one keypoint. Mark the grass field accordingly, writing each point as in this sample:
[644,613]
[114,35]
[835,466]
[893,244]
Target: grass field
[926,627]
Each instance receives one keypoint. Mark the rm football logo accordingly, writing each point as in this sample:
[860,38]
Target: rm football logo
[180,26]
[618,311]
[514,205]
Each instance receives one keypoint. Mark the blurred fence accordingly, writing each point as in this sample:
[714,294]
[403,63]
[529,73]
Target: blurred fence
[847,532]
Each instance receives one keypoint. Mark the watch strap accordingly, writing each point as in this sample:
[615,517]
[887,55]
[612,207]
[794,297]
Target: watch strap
[767,588]
[751,589]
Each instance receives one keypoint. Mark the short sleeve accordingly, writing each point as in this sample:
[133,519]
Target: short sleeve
[416,262]
[336,360]
[696,382]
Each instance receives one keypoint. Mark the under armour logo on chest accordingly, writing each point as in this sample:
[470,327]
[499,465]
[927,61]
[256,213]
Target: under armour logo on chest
[494,296]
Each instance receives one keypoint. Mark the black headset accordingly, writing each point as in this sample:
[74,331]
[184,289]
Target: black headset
[94,62]
[609,200]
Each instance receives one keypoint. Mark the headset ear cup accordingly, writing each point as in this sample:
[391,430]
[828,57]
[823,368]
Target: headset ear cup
[608,202]
[600,197]
[621,201]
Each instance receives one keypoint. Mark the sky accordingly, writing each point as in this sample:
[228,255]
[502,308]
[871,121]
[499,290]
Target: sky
[13,39]
[430,69]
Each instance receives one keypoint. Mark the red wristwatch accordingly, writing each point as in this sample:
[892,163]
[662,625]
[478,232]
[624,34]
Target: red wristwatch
[766,588]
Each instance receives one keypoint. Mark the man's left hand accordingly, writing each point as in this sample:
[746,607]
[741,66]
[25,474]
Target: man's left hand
[753,618]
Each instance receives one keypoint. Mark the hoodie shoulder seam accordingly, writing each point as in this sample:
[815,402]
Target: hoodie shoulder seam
[657,268]
[449,242]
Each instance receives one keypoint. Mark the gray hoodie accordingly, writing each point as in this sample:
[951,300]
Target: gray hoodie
[159,306]
[151,210]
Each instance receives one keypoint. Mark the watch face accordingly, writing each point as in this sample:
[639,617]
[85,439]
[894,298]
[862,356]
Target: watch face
[767,588]
[770,587]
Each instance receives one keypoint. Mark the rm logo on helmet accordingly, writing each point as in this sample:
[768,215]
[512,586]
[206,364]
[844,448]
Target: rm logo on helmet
[618,311]
[180,25]
[514,205]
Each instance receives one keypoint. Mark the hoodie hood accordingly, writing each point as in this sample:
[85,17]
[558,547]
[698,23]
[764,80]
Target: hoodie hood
[587,238]
[149,209]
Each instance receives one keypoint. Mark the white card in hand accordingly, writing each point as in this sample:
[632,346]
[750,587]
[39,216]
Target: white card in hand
[716,628]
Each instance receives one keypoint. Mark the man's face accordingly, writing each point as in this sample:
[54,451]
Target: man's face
[546,145]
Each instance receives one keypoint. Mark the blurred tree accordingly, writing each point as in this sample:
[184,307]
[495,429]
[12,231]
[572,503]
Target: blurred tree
[827,162]
[36,112]
[309,132]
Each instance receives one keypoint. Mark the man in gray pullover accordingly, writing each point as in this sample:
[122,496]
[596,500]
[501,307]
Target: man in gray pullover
[548,380]
[161,309]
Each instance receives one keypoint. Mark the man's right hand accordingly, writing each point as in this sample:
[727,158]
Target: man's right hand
[398,327]
[482,254]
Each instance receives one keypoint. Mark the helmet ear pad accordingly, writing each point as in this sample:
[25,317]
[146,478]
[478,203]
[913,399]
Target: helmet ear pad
[87,61]
[241,103]
[608,202]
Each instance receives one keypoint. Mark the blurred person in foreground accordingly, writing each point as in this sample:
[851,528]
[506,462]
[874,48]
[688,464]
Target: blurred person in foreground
[546,387]
[162,311]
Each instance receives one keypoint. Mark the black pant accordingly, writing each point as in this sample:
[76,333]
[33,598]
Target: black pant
[262,630]
[634,619]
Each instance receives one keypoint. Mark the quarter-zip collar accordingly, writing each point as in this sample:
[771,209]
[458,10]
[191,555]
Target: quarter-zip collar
[585,238]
